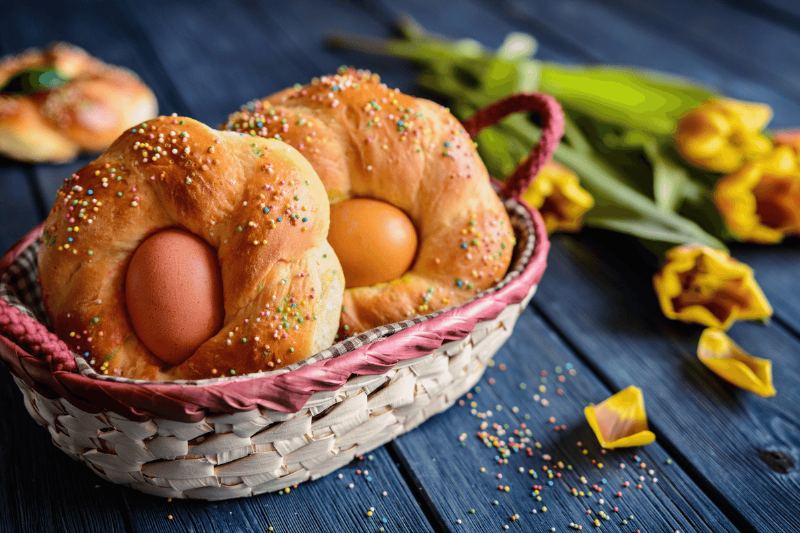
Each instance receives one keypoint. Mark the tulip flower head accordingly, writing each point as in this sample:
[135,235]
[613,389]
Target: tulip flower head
[557,195]
[722,134]
[706,286]
[761,201]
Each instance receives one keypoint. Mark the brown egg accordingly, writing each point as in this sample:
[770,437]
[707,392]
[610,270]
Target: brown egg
[375,241]
[173,290]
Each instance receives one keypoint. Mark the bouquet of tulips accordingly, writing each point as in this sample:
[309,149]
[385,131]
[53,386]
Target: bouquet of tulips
[671,163]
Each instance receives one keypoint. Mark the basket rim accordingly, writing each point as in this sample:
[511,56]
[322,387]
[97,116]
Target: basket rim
[286,392]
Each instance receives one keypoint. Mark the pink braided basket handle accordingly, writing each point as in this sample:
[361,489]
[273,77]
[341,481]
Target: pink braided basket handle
[44,362]
[552,130]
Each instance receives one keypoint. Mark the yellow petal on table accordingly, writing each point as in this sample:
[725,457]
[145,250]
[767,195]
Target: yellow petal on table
[727,360]
[620,421]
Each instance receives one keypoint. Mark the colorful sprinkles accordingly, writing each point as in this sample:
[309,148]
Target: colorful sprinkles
[95,196]
[386,120]
[517,461]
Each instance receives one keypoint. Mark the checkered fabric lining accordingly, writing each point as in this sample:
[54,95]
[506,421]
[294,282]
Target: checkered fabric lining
[19,286]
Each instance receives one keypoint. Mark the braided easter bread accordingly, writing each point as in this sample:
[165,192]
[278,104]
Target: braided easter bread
[58,102]
[366,140]
[249,213]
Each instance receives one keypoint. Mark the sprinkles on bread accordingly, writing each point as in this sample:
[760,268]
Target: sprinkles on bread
[256,202]
[366,140]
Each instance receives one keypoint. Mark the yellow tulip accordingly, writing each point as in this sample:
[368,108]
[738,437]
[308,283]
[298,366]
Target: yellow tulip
[761,201]
[703,285]
[559,197]
[620,421]
[722,134]
[726,359]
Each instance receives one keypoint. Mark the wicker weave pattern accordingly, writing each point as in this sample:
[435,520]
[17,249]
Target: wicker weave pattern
[251,452]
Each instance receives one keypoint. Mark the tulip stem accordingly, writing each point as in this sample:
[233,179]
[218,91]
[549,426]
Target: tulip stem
[636,101]
[618,206]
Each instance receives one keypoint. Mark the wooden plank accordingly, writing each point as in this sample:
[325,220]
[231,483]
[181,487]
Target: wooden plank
[41,488]
[776,271]
[19,209]
[745,43]
[604,305]
[294,21]
[783,12]
[242,57]
[614,38]
[20,205]
[513,396]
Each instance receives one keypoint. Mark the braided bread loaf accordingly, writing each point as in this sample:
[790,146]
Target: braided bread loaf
[366,140]
[58,102]
[255,203]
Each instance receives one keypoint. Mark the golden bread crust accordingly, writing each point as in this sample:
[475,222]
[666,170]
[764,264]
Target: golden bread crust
[257,202]
[367,140]
[86,113]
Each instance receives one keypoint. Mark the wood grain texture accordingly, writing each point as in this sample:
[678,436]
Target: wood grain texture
[776,271]
[595,308]
[528,371]
[716,34]
[616,36]
[709,425]
[782,12]
[19,209]
[41,489]
[236,65]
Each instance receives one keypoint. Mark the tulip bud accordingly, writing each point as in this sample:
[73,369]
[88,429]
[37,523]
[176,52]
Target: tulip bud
[559,197]
[722,134]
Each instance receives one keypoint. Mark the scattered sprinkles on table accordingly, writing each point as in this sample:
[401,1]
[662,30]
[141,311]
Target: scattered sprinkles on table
[599,493]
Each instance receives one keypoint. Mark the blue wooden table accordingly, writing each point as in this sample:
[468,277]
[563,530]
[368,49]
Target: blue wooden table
[724,460]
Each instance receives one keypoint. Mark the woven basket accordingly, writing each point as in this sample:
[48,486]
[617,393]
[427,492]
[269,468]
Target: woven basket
[230,437]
